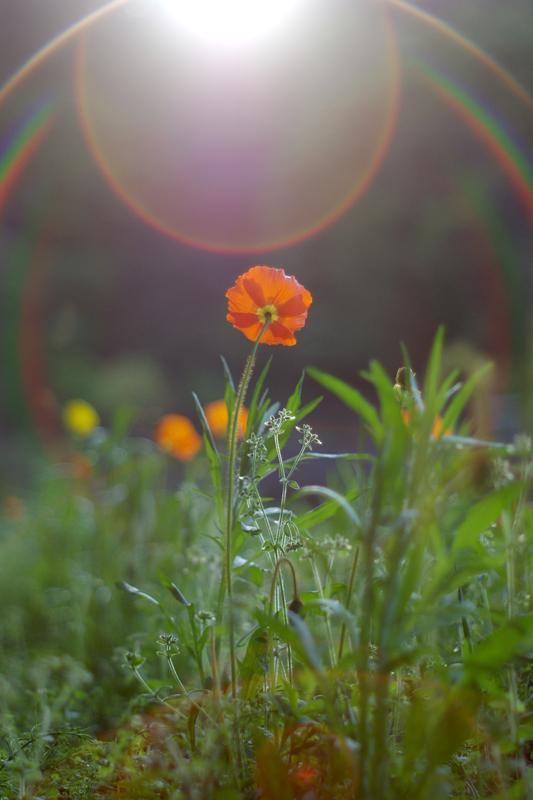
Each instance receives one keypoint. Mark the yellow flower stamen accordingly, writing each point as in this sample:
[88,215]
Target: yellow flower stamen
[270,309]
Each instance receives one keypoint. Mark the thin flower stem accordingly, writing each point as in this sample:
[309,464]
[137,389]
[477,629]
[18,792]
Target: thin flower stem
[284,483]
[232,454]
[214,662]
[147,686]
[185,692]
[332,655]
[348,599]
[275,576]
[296,462]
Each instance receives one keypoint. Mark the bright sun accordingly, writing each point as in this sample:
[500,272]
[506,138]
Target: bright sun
[231,20]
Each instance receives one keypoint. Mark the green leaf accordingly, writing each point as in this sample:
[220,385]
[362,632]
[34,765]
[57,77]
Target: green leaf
[205,425]
[390,408]
[483,514]
[253,666]
[229,392]
[336,588]
[227,373]
[256,576]
[335,608]
[173,589]
[293,403]
[432,376]
[336,497]
[191,723]
[249,524]
[413,384]
[461,398]
[350,397]
[214,462]
[510,640]
[127,587]
[445,390]
[447,576]
[311,518]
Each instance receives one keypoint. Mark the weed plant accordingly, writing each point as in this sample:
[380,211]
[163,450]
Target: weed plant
[368,639]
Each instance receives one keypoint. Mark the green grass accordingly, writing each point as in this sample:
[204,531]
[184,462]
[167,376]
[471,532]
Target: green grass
[382,625]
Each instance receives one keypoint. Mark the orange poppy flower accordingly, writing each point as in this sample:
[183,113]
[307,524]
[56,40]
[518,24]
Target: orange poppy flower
[177,436]
[262,291]
[436,431]
[216,414]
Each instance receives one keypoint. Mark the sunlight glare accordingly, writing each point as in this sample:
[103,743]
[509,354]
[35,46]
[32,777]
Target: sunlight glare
[231,20]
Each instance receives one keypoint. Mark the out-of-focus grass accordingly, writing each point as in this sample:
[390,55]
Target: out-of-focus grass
[101,516]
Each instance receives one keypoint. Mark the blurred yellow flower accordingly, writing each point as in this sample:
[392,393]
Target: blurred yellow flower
[80,418]
[177,436]
[216,414]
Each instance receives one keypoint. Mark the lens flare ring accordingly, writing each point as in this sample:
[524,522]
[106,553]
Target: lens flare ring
[253,151]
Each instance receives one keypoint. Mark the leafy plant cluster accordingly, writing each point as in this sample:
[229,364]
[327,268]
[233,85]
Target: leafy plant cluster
[382,633]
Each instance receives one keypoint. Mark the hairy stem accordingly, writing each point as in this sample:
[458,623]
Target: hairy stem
[232,457]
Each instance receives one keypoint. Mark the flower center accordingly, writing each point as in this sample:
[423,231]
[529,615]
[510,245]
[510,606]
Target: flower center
[270,309]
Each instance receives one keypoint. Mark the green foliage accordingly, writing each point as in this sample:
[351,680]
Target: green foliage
[383,624]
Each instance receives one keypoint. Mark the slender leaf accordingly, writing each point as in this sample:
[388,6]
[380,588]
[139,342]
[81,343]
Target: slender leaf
[483,514]
[336,497]
[213,458]
[254,665]
[227,373]
[317,515]
[432,375]
[172,588]
[461,398]
[351,397]
[127,587]
[513,638]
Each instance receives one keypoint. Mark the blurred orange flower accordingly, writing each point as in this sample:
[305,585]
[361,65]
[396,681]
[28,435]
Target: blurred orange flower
[177,436]
[436,431]
[216,414]
[262,291]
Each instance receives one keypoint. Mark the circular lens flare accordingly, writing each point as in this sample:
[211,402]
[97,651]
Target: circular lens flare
[231,20]
[242,149]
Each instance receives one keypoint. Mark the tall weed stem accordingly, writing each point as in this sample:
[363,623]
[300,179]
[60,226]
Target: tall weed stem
[332,654]
[273,592]
[232,457]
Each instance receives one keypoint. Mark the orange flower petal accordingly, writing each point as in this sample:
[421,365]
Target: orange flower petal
[277,333]
[178,437]
[254,290]
[267,289]
[242,319]
[294,307]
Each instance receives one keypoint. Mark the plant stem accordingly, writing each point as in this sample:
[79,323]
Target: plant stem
[275,576]
[332,655]
[348,599]
[232,457]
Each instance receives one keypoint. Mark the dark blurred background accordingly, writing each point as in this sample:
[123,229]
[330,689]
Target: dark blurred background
[379,151]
